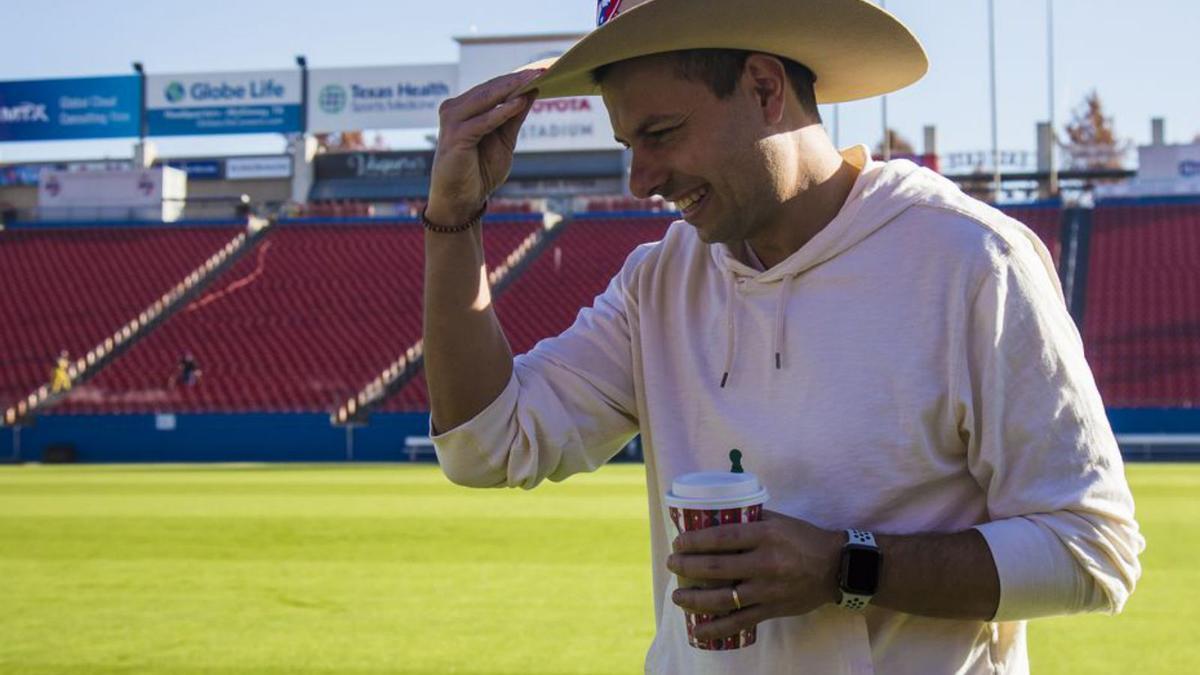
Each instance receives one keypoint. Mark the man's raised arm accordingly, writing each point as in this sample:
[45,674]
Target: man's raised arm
[467,359]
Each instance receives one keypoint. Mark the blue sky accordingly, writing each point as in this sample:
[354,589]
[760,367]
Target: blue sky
[1141,57]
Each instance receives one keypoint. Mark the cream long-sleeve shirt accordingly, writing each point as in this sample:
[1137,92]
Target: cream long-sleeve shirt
[910,369]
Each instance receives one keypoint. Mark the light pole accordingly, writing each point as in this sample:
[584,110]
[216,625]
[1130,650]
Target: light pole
[992,62]
[1050,82]
[303,63]
[141,71]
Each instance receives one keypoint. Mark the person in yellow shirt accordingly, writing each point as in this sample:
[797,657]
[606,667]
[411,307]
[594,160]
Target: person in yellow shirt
[61,380]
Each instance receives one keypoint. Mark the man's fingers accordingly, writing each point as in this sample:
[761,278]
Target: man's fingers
[715,567]
[484,97]
[484,124]
[726,626]
[722,538]
[508,130]
[717,600]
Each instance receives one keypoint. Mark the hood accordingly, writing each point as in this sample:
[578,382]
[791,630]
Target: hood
[882,191]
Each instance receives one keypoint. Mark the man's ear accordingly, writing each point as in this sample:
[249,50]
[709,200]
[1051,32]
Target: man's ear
[767,79]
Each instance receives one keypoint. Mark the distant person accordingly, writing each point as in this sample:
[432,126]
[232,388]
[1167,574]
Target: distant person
[188,373]
[61,379]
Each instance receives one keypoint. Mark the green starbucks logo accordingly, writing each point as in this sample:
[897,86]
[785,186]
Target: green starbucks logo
[332,98]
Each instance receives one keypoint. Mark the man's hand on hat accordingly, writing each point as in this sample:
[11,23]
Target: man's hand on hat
[476,136]
[781,566]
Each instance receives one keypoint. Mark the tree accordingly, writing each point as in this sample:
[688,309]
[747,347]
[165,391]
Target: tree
[900,145]
[1092,141]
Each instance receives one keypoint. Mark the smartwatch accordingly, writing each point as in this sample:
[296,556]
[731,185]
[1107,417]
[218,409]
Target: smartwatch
[858,576]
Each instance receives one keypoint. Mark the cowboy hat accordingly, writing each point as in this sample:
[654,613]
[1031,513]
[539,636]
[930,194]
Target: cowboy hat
[856,49]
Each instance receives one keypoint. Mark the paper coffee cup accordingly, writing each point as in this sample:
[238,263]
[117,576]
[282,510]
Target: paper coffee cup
[707,499]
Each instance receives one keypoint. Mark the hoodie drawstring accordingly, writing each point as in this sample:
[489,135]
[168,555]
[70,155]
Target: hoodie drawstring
[731,329]
[777,343]
[781,305]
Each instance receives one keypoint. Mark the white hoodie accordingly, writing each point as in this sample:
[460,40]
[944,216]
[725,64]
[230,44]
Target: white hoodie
[912,368]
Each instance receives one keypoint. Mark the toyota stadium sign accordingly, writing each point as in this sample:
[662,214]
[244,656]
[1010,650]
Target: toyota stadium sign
[576,123]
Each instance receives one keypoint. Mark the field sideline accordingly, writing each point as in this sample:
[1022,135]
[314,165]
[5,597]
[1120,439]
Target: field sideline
[391,569]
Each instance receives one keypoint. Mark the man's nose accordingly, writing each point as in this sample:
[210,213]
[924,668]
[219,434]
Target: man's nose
[646,176]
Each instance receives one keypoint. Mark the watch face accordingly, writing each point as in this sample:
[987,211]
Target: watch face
[860,570]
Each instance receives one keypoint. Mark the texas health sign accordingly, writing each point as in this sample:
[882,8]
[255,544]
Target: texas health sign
[65,109]
[383,97]
[223,103]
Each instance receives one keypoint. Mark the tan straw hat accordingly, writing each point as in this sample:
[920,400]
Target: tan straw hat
[855,49]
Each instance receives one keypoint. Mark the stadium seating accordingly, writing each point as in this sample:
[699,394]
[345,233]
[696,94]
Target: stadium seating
[1045,221]
[1142,318]
[70,288]
[568,275]
[297,325]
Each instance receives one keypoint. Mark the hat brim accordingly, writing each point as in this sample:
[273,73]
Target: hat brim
[856,49]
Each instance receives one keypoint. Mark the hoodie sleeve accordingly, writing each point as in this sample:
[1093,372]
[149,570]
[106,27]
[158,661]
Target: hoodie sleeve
[568,407]
[1062,530]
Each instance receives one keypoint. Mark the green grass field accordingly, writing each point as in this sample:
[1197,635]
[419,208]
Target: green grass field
[285,569]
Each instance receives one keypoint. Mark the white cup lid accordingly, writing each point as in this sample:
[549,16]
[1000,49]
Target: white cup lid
[716,490]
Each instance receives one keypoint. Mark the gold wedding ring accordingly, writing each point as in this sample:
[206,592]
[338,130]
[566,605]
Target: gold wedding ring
[737,602]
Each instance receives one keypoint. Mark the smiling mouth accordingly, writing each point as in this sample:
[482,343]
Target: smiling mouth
[691,202]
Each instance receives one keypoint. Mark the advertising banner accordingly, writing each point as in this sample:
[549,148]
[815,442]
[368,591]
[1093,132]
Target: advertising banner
[198,169]
[223,103]
[372,165]
[156,193]
[1169,162]
[20,174]
[258,168]
[83,107]
[385,97]
[579,123]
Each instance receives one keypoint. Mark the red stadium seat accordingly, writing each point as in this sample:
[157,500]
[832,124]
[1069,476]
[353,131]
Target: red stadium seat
[1142,321]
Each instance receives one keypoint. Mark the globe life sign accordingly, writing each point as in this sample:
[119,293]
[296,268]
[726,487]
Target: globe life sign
[223,103]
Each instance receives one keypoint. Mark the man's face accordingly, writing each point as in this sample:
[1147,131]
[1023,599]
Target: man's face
[687,143]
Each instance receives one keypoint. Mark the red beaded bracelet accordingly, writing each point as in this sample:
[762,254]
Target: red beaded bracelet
[472,222]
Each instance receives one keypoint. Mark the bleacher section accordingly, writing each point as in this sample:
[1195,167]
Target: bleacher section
[568,275]
[316,312]
[1045,220]
[1142,321]
[70,288]
[297,325]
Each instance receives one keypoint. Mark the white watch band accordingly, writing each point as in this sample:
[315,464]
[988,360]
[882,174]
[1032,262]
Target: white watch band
[851,601]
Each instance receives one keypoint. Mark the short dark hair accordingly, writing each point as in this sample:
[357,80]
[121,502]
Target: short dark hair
[721,68]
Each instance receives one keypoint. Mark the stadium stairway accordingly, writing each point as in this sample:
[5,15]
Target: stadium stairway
[398,375]
[84,276]
[569,270]
[298,324]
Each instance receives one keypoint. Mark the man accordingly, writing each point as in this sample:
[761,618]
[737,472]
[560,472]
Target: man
[890,355]
[187,371]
